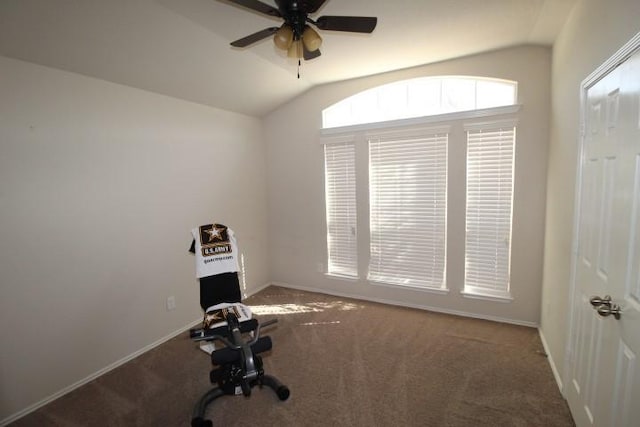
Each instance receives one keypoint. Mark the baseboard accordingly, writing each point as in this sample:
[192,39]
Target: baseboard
[96,374]
[556,374]
[409,305]
[114,365]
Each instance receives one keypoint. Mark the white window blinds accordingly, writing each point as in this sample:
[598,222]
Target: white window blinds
[490,158]
[340,191]
[408,210]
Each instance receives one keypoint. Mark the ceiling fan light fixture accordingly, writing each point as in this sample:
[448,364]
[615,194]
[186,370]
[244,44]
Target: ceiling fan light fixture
[295,50]
[283,38]
[311,39]
[299,40]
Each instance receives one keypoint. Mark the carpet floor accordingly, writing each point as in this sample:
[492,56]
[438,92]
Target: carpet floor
[347,363]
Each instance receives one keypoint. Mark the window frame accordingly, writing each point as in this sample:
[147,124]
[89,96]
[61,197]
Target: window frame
[476,290]
[350,243]
[457,121]
[426,135]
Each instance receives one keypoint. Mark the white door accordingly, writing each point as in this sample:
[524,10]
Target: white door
[603,368]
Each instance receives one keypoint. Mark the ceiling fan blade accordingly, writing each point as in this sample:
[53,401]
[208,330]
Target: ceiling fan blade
[258,6]
[255,37]
[312,6]
[354,24]
[307,54]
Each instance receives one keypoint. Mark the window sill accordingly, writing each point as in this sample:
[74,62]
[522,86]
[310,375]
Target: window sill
[439,291]
[344,277]
[505,298]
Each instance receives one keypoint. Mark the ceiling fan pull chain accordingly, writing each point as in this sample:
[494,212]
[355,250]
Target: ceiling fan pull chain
[298,68]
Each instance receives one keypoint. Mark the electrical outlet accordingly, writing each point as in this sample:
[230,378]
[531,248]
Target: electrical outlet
[171,303]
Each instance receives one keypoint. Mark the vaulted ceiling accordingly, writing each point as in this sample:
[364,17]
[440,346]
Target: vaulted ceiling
[181,48]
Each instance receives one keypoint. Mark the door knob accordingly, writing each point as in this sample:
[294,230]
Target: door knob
[597,301]
[609,310]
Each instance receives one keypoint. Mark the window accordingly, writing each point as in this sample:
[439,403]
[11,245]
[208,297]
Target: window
[435,183]
[340,190]
[490,157]
[408,210]
[424,96]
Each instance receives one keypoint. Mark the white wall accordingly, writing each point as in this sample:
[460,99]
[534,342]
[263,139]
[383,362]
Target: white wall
[595,31]
[100,185]
[296,190]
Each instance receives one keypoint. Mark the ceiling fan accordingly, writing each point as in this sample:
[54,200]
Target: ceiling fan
[295,35]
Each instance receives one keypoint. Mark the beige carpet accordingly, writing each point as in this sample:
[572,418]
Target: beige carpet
[347,363]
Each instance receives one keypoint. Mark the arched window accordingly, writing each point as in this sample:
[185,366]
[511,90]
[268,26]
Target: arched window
[414,130]
[424,96]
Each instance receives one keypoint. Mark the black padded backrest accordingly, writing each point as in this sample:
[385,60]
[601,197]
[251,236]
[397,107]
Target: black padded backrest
[220,288]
